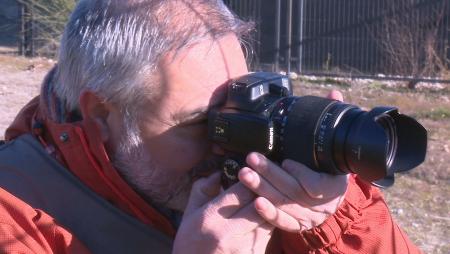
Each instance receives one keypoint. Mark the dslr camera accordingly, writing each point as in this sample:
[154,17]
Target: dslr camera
[261,114]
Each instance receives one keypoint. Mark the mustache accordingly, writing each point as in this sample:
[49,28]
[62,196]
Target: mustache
[204,168]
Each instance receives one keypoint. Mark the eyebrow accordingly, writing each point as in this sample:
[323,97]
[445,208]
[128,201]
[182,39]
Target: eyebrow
[201,113]
[195,115]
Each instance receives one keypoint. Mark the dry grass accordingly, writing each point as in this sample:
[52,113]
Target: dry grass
[419,200]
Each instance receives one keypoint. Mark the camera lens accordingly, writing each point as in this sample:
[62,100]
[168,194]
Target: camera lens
[388,125]
[326,135]
[339,138]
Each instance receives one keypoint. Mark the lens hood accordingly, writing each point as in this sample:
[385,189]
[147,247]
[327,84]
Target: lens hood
[382,142]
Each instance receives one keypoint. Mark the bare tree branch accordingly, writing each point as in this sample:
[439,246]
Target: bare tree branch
[410,40]
[49,18]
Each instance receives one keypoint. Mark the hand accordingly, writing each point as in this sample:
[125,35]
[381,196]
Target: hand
[226,222]
[293,198]
[235,222]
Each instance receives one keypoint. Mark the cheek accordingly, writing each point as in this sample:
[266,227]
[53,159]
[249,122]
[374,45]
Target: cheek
[178,150]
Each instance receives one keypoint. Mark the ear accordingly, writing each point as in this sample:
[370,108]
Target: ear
[95,108]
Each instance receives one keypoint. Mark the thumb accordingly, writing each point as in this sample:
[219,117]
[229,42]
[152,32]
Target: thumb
[203,191]
[336,95]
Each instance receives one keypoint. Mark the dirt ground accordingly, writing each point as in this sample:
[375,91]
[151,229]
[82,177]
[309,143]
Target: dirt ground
[20,81]
[419,201]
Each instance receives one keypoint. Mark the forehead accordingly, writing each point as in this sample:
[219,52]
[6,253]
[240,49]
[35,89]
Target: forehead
[197,76]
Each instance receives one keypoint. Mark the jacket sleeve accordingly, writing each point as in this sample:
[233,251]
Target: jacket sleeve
[362,224]
[24,229]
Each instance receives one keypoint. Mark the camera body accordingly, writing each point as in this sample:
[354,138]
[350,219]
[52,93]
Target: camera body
[261,114]
[245,123]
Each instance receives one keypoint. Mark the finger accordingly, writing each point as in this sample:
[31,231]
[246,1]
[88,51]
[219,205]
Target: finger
[203,190]
[297,200]
[335,95]
[245,220]
[276,217]
[231,200]
[306,210]
[261,186]
[316,185]
[277,177]
[282,180]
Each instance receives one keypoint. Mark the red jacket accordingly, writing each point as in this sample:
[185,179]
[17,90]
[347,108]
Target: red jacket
[362,223]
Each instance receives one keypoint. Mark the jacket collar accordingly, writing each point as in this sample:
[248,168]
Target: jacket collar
[78,146]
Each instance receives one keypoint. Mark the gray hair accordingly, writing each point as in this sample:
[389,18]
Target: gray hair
[112,47]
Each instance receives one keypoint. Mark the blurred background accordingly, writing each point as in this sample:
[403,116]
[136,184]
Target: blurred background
[377,52]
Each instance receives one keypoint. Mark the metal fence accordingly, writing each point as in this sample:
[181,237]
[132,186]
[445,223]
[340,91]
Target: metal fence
[397,38]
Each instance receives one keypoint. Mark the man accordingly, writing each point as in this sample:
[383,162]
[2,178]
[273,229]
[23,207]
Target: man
[124,112]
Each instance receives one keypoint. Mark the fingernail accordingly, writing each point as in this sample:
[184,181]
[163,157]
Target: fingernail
[261,204]
[247,174]
[256,158]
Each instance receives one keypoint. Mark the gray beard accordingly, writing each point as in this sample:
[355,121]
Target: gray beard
[155,183]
